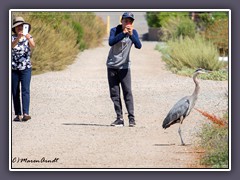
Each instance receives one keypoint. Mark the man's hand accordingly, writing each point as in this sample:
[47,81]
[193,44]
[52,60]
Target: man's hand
[125,30]
[129,29]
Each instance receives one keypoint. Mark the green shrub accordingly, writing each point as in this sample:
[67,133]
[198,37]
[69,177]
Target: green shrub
[191,53]
[93,28]
[214,141]
[218,34]
[158,19]
[205,19]
[78,28]
[186,28]
[178,26]
[153,19]
[220,15]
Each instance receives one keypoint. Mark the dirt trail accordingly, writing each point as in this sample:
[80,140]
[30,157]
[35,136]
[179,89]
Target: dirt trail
[71,112]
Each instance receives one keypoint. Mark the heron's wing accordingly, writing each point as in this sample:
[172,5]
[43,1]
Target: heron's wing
[178,110]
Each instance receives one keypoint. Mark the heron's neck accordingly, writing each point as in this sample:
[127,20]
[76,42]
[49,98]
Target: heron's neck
[197,87]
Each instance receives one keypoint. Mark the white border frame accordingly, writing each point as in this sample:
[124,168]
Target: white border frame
[117,10]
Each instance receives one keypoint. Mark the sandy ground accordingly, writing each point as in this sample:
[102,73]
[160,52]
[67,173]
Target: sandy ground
[71,112]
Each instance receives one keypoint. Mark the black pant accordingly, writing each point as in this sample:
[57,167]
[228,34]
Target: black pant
[123,77]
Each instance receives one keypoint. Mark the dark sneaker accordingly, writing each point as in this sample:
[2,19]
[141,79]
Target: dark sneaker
[132,123]
[17,118]
[118,122]
[26,118]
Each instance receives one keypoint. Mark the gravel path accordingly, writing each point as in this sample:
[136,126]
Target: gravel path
[71,112]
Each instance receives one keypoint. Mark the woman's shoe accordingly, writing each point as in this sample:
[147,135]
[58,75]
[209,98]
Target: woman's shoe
[26,117]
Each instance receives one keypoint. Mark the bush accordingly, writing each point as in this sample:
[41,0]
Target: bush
[220,15]
[191,53]
[186,28]
[214,141]
[158,19]
[59,36]
[178,26]
[153,19]
[218,34]
[205,19]
[92,29]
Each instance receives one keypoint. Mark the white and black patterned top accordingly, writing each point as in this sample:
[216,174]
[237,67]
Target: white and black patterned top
[21,54]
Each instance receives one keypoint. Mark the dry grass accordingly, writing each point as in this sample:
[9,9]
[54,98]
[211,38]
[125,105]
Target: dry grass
[191,53]
[53,52]
[93,28]
[60,36]
[216,120]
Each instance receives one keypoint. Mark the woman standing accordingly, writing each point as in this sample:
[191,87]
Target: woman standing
[21,68]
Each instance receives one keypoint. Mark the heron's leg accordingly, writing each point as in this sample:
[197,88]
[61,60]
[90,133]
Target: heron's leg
[179,131]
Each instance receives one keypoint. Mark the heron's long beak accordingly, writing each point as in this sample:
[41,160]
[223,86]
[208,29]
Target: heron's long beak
[207,71]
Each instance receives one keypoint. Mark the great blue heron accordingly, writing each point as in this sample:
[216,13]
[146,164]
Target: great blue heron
[183,107]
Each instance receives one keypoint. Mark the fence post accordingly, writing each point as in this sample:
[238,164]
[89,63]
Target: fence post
[108,24]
